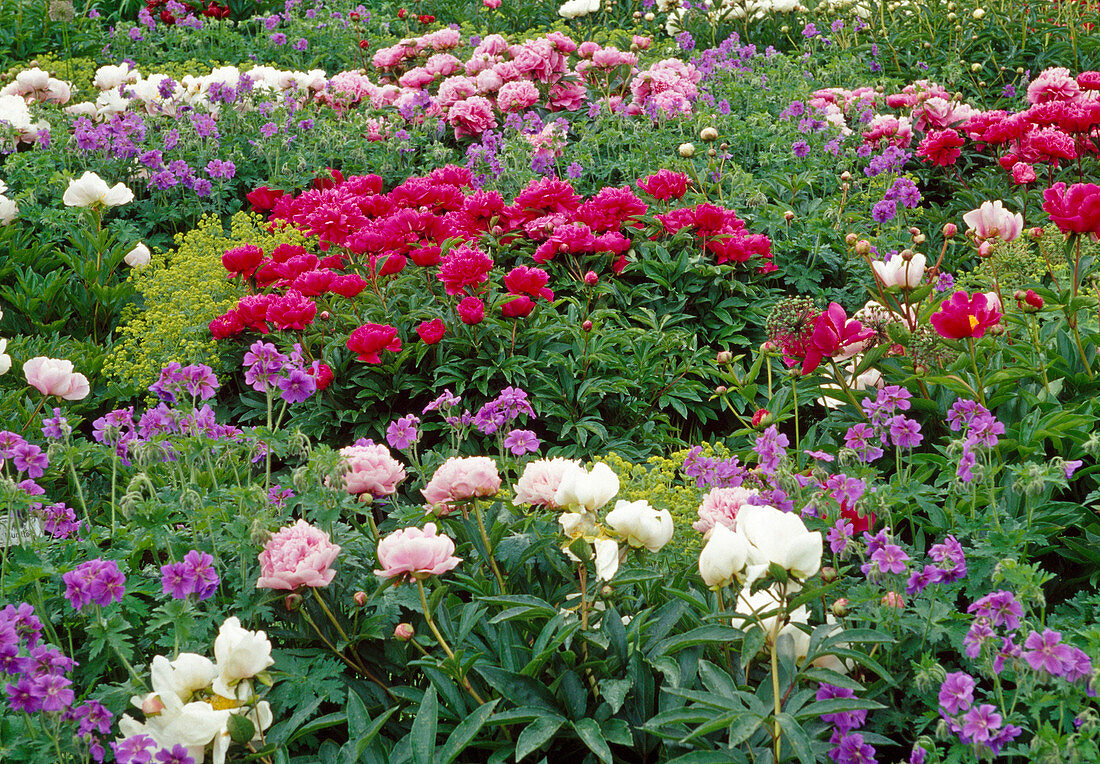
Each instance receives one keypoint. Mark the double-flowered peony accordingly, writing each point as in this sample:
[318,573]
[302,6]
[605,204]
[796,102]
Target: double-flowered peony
[586,490]
[298,555]
[461,478]
[52,376]
[416,553]
[371,471]
[1074,210]
[640,525]
[540,480]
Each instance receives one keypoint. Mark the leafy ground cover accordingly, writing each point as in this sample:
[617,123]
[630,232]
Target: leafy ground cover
[512,381]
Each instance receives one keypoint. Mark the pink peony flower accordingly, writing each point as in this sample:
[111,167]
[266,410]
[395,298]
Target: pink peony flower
[517,96]
[371,470]
[992,221]
[52,376]
[539,481]
[461,478]
[416,553]
[371,339]
[471,117]
[298,555]
[720,507]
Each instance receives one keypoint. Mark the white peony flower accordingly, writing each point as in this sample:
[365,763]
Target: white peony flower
[91,190]
[588,489]
[138,257]
[899,272]
[781,538]
[607,558]
[240,654]
[723,557]
[5,359]
[9,210]
[788,637]
[574,8]
[187,674]
[640,525]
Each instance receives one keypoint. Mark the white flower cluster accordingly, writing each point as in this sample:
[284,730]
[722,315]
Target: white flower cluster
[572,9]
[726,11]
[9,210]
[194,698]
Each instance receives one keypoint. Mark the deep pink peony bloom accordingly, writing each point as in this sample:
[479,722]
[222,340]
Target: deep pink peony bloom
[298,555]
[371,339]
[940,147]
[52,376]
[833,334]
[416,553]
[464,267]
[963,316]
[432,331]
[292,311]
[471,310]
[665,184]
[371,470]
[1074,210]
[461,478]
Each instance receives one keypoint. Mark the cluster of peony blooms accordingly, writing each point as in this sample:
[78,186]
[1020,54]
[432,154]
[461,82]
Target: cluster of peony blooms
[723,11]
[193,699]
[579,493]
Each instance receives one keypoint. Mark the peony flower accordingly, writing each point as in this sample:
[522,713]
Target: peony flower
[431,332]
[590,489]
[1074,210]
[51,376]
[640,525]
[298,555]
[963,316]
[5,359]
[461,478]
[138,257]
[719,507]
[416,553]
[723,557]
[371,471]
[607,558]
[240,654]
[9,210]
[90,190]
[991,221]
[371,339]
[187,674]
[834,336]
[899,272]
[540,480]
[754,605]
[781,538]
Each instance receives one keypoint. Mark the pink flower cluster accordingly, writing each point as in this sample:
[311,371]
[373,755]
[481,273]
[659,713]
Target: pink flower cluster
[422,77]
[298,555]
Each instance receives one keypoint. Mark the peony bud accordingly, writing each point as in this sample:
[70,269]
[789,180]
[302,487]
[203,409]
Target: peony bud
[724,356]
[788,216]
[920,238]
[364,44]
[586,326]
[893,599]
[292,602]
[591,278]
[906,255]
[721,390]
[138,257]
[709,134]
[761,417]
[949,230]
[1036,233]
[687,150]
[828,573]
[360,598]
[863,247]
[712,153]
[978,14]
[851,239]
[1033,300]
[325,315]
[985,249]
[650,16]
[845,176]
[606,591]
[404,632]
[840,607]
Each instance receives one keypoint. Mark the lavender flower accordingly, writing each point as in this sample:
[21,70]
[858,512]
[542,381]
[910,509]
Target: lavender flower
[402,432]
[521,442]
[99,581]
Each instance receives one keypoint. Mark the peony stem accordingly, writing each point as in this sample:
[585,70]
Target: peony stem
[776,704]
[488,546]
[725,645]
[443,643]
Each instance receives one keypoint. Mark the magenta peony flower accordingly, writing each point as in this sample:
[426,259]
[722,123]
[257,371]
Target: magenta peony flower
[371,470]
[298,555]
[1074,210]
[416,553]
[461,478]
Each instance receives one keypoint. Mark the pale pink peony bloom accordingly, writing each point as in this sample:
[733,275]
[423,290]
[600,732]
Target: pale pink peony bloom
[461,478]
[52,376]
[719,507]
[540,480]
[517,96]
[416,553]
[993,221]
[371,470]
[298,555]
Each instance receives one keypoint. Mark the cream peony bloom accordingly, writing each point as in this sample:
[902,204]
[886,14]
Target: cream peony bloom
[788,637]
[240,654]
[779,537]
[906,274]
[723,557]
[90,190]
[138,257]
[9,210]
[5,359]
[588,489]
[607,558]
[640,525]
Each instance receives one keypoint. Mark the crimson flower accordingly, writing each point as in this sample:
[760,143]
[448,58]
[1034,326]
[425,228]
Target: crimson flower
[371,339]
[432,331]
[1074,210]
[833,332]
[962,316]
[940,147]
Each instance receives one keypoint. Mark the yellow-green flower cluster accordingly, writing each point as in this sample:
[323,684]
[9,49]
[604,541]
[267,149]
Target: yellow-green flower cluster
[181,291]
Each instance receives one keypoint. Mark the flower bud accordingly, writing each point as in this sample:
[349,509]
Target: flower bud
[637,15]
[360,598]
[788,215]
[845,176]
[978,14]
[325,315]
[851,239]
[863,247]
[893,599]
[1019,295]
[975,67]
[828,573]
[712,153]
[687,150]
[404,632]
[840,607]
[364,44]
[606,591]
[1033,300]
[985,249]
[586,326]
[292,602]
[761,417]
[649,17]
[709,134]
[721,390]
[1035,233]
[920,238]
[591,278]
[949,230]
[906,255]
[724,356]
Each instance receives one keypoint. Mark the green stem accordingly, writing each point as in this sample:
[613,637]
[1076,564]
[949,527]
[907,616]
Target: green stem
[443,643]
[488,546]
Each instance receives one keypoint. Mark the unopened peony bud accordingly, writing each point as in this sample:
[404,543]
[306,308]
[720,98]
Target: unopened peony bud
[845,176]
[1033,300]
[975,67]
[606,591]
[913,230]
[978,14]
[586,326]
[360,598]
[985,249]
[840,607]
[949,230]
[724,356]
[1036,233]
[893,599]
[292,602]
[591,278]
[496,230]
[404,632]
[709,134]
[650,17]
[1019,295]
[761,417]
[828,573]
[906,255]
[721,390]
[863,247]
[920,238]
[788,216]
[637,15]
[687,150]
[364,44]
[325,315]
[851,239]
